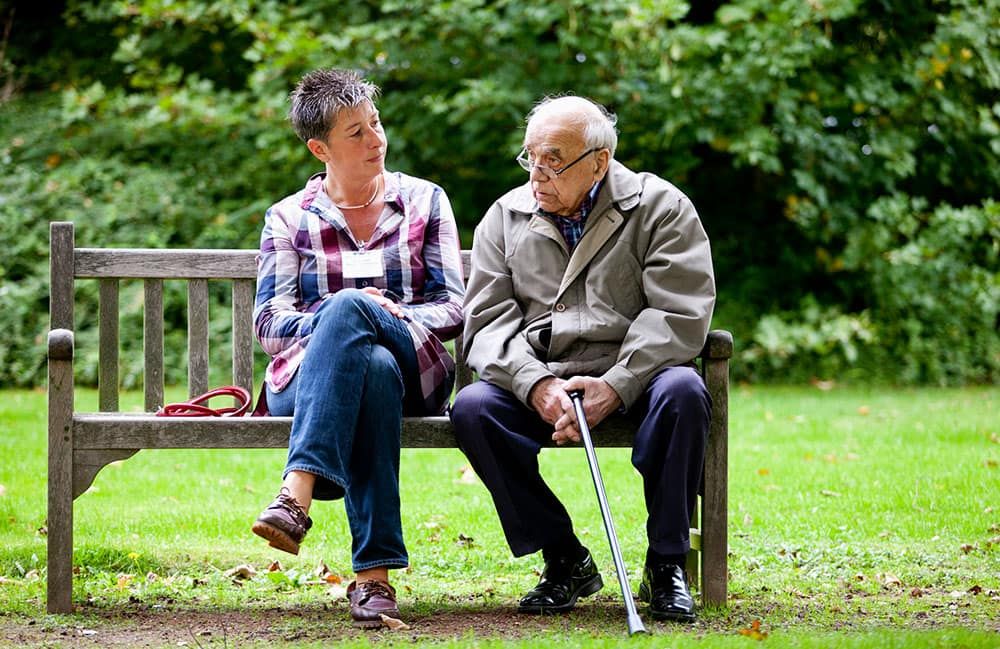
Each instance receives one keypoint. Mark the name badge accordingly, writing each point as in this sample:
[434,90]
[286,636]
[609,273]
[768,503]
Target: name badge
[362,263]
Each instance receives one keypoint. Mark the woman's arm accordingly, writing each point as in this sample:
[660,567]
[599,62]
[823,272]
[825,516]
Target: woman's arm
[278,322]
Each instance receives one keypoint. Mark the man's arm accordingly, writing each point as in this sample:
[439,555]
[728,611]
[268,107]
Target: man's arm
[495,345]
[679,285]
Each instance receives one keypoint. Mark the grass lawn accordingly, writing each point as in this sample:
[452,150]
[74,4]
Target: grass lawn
[859,517]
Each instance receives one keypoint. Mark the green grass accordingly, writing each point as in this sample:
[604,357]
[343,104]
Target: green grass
[863,517]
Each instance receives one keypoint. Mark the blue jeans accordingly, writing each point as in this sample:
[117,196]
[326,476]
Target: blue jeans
[347,400]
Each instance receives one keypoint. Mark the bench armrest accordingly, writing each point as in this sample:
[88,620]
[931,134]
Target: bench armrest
[718,345]
[60,345]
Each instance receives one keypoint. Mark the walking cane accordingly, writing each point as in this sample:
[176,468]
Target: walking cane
[634,623]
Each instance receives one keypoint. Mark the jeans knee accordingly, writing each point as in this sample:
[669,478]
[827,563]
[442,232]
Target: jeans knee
[342,309]
[384,379]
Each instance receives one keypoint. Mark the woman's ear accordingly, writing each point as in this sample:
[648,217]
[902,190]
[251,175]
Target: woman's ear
[318,148]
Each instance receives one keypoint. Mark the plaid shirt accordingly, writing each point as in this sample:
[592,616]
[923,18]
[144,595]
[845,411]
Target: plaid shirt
[300,265]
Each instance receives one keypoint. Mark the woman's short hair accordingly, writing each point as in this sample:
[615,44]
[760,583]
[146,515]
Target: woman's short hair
[598,124]
[321,95]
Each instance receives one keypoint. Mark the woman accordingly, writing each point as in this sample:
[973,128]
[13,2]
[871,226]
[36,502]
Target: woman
[359,280]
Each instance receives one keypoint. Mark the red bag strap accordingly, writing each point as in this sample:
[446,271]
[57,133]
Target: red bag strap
[197,407]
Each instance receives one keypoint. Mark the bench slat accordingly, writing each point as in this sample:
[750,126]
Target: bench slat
[127,431]
[197,337]
[243,339]
[107,371]
[151,263]
[152,343]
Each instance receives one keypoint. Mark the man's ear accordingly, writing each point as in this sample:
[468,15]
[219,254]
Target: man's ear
[603,158]
[318,148]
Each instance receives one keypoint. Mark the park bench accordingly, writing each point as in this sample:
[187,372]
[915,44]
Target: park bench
[81,443]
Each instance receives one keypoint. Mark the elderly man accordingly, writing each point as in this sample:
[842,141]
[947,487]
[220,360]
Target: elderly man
[589,277]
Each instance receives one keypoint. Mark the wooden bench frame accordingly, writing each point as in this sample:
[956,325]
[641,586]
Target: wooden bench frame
[80,444]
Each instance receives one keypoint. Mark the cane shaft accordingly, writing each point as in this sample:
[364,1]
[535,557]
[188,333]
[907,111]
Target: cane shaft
[634,623]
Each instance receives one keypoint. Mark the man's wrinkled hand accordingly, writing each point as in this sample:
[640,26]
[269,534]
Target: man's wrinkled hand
[550,400]
[599,401]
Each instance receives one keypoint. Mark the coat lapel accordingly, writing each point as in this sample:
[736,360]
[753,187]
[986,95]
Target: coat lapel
[594,237]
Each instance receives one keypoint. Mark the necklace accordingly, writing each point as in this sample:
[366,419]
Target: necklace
[365,204]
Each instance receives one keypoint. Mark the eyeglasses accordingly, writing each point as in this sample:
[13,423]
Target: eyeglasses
[524,159]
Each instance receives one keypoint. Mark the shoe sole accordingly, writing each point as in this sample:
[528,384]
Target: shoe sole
[663,616]
[275,537]
[586,590]
[367,624]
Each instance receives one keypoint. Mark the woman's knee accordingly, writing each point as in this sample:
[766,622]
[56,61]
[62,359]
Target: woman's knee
[345,308]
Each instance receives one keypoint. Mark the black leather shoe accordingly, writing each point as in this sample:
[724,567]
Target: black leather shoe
[563,582]
[665,588]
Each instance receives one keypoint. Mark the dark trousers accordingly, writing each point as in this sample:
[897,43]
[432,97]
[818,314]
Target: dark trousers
[502,438]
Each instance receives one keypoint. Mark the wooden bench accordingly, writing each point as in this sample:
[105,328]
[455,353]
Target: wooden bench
[80,444]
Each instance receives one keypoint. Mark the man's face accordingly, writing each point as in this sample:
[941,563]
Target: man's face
[554,141]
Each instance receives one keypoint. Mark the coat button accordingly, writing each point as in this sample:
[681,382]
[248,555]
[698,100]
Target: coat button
[560,307]
[364,283]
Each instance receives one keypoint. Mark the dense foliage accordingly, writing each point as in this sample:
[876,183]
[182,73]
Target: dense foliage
[843,153]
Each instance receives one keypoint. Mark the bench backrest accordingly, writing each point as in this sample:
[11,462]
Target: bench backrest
[197,267]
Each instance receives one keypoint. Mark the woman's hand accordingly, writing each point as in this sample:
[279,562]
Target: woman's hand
[384,302]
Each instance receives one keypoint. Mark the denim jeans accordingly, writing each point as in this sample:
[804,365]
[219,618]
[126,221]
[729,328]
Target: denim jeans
[347,401]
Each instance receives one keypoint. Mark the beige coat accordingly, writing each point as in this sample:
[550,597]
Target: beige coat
[635,296]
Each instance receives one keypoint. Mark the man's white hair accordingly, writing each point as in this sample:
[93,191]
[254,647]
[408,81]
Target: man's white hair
[596,121]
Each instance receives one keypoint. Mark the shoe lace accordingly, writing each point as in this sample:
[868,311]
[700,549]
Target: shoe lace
[370,589]
[287,501]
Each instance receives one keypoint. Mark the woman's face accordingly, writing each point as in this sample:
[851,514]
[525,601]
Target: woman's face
[356,145]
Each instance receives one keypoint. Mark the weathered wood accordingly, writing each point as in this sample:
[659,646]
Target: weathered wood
[151,263]
[86,465]
[197,337]
[243,341]
[714,525]
[718,345]
[60,475]
[61,256]
[152,343]
[107,365]
[127,430]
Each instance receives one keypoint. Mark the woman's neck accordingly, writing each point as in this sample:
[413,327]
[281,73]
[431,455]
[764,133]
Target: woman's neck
[346,195]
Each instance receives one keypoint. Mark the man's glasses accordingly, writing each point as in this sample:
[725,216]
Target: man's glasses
[527,163]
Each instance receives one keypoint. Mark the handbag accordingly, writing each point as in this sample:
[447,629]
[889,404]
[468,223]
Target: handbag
[197,406]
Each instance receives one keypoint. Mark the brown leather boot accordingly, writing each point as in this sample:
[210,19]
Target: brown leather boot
[369,601]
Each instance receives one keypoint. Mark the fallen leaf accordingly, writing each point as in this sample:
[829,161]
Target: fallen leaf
[275,566]
[888,579]
[322,570]
[976,590]
[151,577]
[966,548]
[88,632]
[247,488]
[993,438]
[957,594]
[763,471]
[466,541]
[466,475]
[332,578]
[830,494]
[747,520]
[124,581]
[995,527]
[917,592]
[864,411]
[884,534]
[991,463]
[393,623]
[244,571]
[42,531]
[754,632]
[823,385]
[53,160]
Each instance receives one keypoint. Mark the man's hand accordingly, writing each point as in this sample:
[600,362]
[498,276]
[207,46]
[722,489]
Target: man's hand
[550,400]
[384,302]
[599,401]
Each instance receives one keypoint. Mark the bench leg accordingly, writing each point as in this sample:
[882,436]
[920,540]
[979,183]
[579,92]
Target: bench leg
[60,492]
[714,518]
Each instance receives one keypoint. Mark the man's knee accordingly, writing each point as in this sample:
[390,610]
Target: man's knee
[466,410]
[683,389]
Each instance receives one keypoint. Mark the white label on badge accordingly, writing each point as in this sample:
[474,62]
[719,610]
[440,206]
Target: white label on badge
[362,263]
